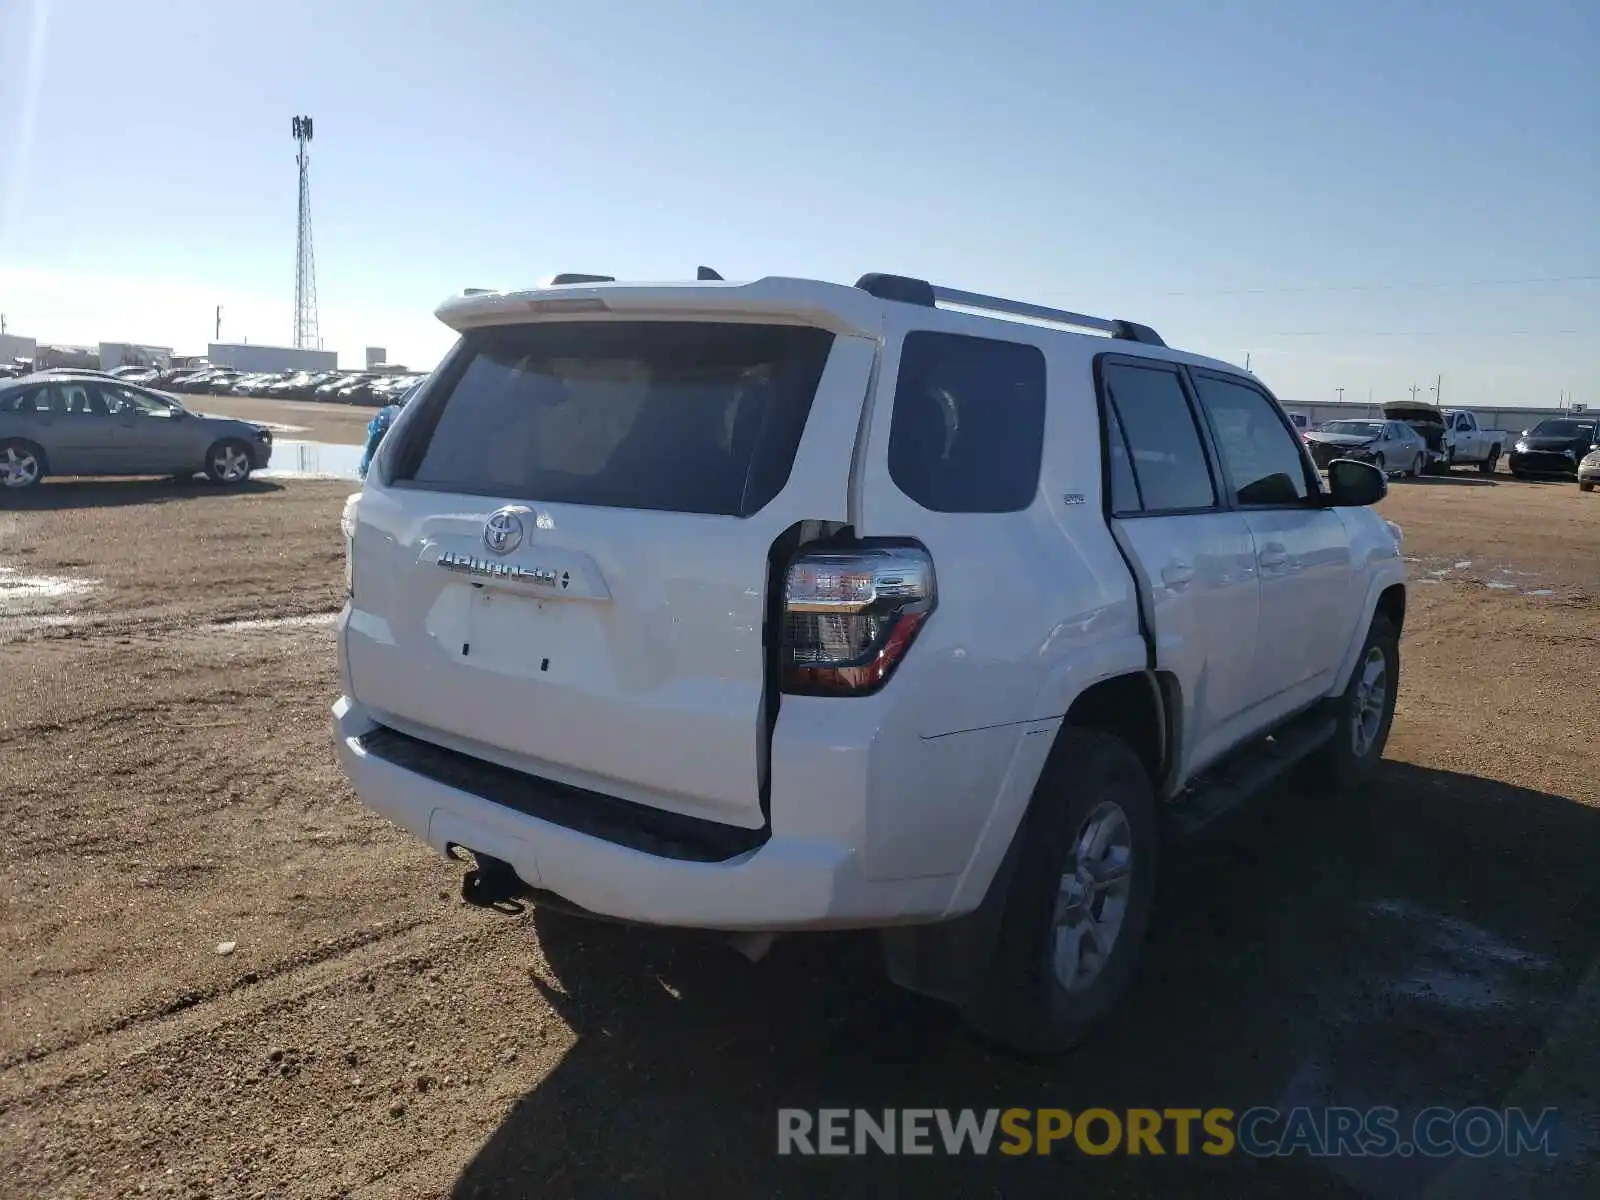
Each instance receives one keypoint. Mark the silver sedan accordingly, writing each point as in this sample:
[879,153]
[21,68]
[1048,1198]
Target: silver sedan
[65,424]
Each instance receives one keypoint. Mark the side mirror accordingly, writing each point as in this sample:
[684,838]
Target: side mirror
[1353,484]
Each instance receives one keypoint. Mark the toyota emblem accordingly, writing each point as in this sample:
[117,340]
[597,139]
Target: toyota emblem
[502,533]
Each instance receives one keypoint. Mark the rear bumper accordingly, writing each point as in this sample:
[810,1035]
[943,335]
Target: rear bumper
[787,882]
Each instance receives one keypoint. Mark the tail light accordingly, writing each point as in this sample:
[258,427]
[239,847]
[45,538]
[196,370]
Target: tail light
[347,524]
[850,616]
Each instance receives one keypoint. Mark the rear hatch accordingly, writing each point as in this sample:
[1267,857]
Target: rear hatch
[1427,420]
[561,561]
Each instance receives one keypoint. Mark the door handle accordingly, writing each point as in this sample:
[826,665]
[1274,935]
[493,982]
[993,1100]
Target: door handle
[1272,555]
[1178,574]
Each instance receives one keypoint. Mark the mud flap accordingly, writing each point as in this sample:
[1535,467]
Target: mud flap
[949,960]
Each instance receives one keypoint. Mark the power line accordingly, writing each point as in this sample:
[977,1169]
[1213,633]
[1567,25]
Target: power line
[1383,287]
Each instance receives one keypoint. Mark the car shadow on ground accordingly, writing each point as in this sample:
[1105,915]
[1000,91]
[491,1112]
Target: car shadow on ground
[1410,944]
[1456,480]
[62,493]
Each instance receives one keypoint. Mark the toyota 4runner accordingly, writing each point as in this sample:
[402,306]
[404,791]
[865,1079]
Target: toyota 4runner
[789,605]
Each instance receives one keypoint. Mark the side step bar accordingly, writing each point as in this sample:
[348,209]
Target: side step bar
[1249,771]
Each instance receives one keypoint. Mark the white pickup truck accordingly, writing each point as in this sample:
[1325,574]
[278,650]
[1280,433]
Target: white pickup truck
[1455,436]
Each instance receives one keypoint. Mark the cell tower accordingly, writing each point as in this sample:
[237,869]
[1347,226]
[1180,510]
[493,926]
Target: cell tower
[305,263]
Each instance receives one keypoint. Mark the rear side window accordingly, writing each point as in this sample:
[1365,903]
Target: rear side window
[682,416]
[1158,428]
[25,400]
[968,428]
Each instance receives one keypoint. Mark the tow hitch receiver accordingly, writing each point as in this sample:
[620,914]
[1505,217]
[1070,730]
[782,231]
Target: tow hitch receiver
[491,884]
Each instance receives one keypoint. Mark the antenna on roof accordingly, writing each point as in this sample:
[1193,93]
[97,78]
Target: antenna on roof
[706,273]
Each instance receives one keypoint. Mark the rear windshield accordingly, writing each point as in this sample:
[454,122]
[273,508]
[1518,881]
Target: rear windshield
[684,416]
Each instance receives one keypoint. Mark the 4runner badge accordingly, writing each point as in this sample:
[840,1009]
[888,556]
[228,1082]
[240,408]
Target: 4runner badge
[502,533]
[487,567]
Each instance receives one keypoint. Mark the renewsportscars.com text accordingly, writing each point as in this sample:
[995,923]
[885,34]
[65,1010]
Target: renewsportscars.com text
[1260,1132]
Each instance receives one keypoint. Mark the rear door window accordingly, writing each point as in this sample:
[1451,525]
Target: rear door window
[1149,406]
[682,416]
[967,433]
[26,400]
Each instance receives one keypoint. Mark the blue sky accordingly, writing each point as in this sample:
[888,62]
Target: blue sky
[1359,194]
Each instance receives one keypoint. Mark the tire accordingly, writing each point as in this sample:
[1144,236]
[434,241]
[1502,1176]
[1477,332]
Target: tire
[1094,792]
[1377,461]
[1586,485]
[1488,465]
[1416,468]
[228,462]
[1350,758]
[22,464]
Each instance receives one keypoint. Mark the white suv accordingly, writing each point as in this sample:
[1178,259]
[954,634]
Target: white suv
[791,605]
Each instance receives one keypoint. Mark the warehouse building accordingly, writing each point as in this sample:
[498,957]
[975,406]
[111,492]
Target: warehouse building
[13,347]
[245,357]
[132,354]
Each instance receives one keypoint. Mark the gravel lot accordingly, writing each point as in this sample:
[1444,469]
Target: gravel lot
[221,977]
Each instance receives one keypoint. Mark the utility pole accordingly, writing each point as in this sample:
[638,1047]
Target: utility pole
[2,323]
[1247,360]
[1340,390]
[1438,390]
[218,336]
[1414,390]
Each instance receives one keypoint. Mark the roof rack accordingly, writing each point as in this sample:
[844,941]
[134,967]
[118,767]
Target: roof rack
[907,290]
[579,277]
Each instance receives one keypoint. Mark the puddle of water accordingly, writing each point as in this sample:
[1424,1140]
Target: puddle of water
[307,621]
[313,460]
[19,592]
[29,601]
[1541,592]
[1499,584]
[1461,566]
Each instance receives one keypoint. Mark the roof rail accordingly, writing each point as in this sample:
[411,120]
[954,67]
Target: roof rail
[919,291]
[705,273]
[578,277]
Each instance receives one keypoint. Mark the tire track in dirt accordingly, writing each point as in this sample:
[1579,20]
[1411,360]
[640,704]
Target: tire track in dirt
[286,983]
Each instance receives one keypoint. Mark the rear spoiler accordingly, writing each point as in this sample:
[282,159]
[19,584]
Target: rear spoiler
[831,306]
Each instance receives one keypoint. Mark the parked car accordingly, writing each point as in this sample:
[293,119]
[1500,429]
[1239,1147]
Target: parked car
[1589,470]
[330,388]
[261,384]
[1392,446]
[359,392]
[1554,446]
[81,424]
[800,606]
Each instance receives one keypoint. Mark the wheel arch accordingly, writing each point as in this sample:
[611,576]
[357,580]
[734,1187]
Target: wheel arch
[947,960]
[1386,593]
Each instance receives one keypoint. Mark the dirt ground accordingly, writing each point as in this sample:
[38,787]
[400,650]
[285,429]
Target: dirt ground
[219,976]
[308,420]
